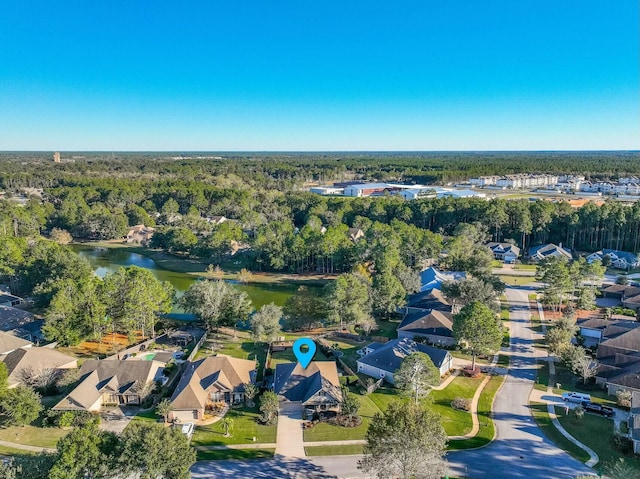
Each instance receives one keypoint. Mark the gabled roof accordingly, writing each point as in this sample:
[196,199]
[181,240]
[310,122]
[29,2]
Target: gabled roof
[546,250]
[34,361]
[12,318]
[222,373]
[429,299]
[100,376]
[503,248]
[432,278]
[295,383]
[390,356]
[428,321]
[624,255]
[9,342]
[623,289]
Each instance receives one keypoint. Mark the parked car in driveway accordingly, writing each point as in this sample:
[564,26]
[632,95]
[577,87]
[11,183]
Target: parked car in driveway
[596,408]
[576,397]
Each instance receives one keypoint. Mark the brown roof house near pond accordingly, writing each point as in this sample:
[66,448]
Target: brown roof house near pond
[112,383]
[207,381]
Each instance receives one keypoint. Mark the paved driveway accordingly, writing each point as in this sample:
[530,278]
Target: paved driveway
[289,439]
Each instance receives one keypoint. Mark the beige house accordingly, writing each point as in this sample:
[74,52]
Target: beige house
[25,364]
[9,343]
[207,381]
[140,234]
[317,387]
[111,383]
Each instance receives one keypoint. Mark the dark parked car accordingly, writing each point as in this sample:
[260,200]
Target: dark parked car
[598,409]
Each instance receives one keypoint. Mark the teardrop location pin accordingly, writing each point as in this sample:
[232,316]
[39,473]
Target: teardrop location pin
[304,357]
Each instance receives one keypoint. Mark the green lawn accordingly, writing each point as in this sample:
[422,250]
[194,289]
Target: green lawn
[542,379]
[504,360]
[334,450]
[504,308]
[245,427]
[516,280]
[487,428]
[9,451]
[234,454]
[147,416]
[327,432]
[597,433]
[533,296]
[33,436]
[348,348]
[525,267]
[541,416]
[287,356]
[386,328]
[462,355]
[571,382]
[382,396]
[456,423]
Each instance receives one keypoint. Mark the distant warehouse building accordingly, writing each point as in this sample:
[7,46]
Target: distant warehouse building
[368,189]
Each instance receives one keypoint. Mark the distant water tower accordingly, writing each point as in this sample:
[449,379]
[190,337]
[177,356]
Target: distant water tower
[56,157]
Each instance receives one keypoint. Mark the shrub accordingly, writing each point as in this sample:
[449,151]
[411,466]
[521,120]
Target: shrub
[578,413]
[624,398]
[472,373]
[461,404]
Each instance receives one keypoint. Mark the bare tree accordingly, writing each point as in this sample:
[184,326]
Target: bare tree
[585,366]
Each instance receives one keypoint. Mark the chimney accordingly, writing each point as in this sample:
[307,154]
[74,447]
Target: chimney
[560,245]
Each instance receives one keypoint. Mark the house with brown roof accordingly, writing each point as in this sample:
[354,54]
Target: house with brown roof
[112,383]
[207,381]
[140,234]
[13,318]
[433,325]
[9,342]
[28,363]
[316,387]
[619,358]
[355,234]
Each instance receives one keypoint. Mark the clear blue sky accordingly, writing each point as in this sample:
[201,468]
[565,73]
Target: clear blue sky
[319,75]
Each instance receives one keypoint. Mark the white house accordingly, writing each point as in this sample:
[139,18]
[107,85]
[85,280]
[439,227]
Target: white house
[504,251]
[384,361]
[542,252]
[619,259]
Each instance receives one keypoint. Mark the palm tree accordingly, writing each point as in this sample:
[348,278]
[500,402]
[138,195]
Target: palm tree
[163,409]
[227,425]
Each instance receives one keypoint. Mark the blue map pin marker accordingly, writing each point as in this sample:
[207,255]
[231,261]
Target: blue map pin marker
[304,357]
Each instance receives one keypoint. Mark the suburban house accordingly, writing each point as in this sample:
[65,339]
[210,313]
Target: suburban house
[355,234]
[504,252]
[387,359]
[10,342]
[595,330]
[140,234]
[428,314]
[629,295]
[215,220]
[13,318]
[542,252]
[619,357]
[619,259]
[316,387]
[433,325]
[634,421]
[432,278]
[111,383]
[10,300]
[28,363]
[209,380]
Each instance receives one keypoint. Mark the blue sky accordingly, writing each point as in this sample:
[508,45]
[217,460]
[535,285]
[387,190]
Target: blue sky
[303,75]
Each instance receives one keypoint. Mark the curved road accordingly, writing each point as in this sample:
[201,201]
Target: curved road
[520,451]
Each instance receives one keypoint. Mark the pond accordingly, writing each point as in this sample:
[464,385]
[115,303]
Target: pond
[108,260]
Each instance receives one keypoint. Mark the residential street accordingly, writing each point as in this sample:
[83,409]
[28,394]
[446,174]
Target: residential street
[520,448]
[519,452]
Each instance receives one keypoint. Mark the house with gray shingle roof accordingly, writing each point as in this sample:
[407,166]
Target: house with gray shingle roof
[545,251]
[111,382]
[209,380]
[619,357]
[316,387]
[386,360]
[619,259]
